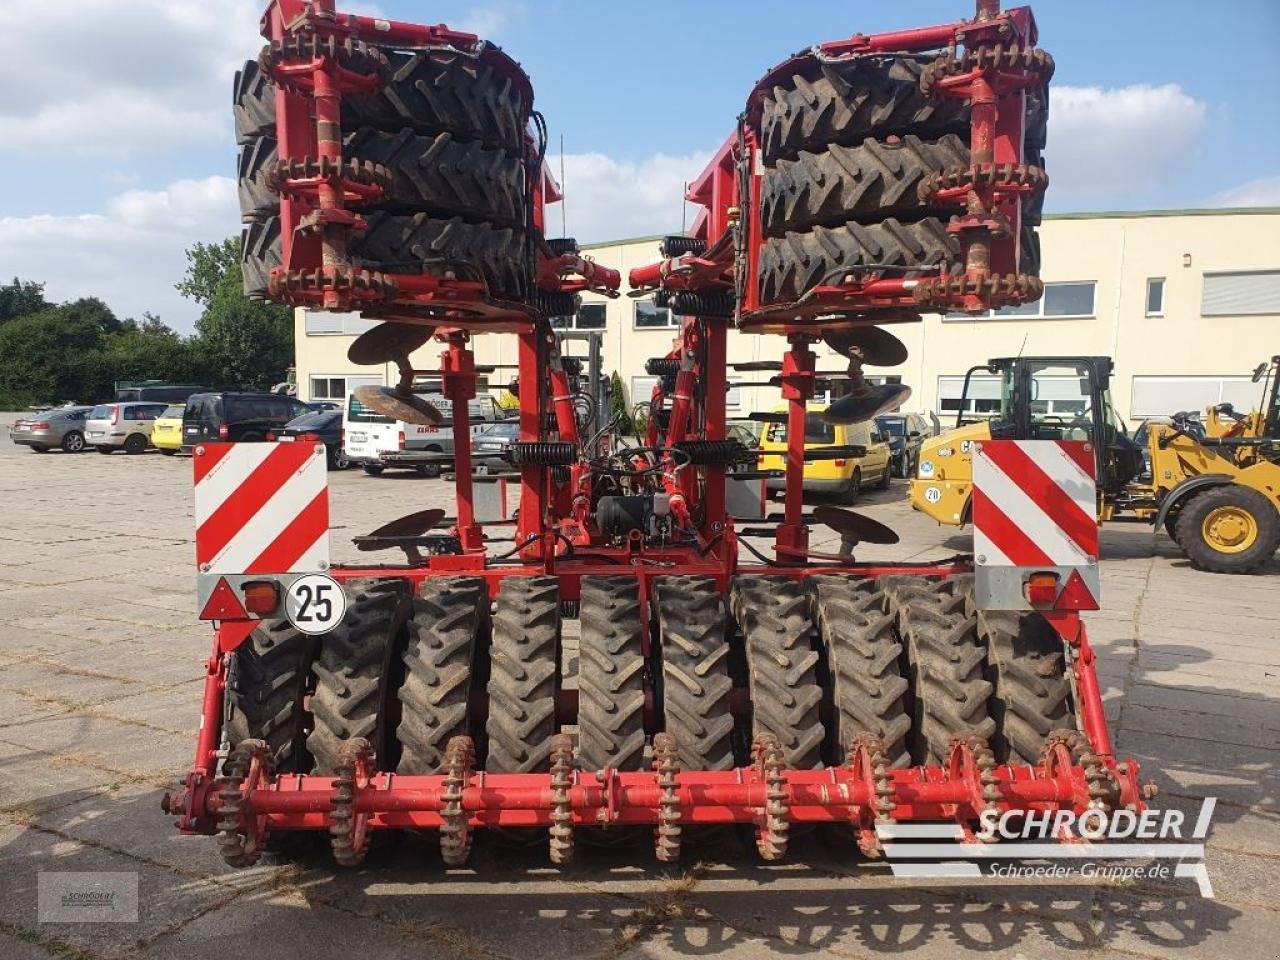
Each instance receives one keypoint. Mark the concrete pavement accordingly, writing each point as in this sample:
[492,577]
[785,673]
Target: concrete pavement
[100,675]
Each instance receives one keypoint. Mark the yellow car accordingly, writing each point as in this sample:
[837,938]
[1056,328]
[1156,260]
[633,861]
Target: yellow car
[166,431]
[844,476]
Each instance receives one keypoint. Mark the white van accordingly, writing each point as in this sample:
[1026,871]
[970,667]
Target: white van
[377,442]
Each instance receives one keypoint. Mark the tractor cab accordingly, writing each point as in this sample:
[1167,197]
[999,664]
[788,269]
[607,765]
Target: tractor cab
[1058,398]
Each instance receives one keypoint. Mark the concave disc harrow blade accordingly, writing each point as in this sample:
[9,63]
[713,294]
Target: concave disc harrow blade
[866,402]
[854,526]
[388,343]
[391,402]
[870,345]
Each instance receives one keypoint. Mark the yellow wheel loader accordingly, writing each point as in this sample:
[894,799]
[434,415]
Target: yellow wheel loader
[1217,496]
[1263,421]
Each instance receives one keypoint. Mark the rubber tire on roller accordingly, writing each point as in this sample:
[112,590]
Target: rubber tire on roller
[447,617]
[695,671]
[610,675]
[864,657]
[397,243]
[267,690]
[936,621]
[1191,517]
[1033,695]
[430,174]
[355,673]
[872,181]
[524,667]
[786,700]
[847,102]
[792,264]
[429,92]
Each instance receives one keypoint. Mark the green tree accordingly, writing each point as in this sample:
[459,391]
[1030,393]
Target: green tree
[55,355]
[150,350]
[239,342]
[208,265]
[21,298]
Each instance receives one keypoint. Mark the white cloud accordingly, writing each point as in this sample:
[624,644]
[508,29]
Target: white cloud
[489,23]
[1110,144]
[609,199]
[131,254]
[1262,192]
[120,78]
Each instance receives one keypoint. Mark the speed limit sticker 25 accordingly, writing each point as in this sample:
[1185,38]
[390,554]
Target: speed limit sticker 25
[315,603]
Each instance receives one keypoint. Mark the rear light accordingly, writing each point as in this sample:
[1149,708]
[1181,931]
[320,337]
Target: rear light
[1041,589]
[841,463]
[401,439]
[271,436]
[310,436]
[760,460]
[261,597]
[342,437]
[222,431]
[115,414]
[40,425]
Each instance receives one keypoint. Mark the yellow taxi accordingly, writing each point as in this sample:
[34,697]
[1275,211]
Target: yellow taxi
[166,431]
[844,476]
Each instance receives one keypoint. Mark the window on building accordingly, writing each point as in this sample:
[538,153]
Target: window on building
[1164,396]
[733,396]
[642,389]
[1155,297]
[321,323]
[650,316]
[336,388]
[1240,293]
[1061,300]
[590,316]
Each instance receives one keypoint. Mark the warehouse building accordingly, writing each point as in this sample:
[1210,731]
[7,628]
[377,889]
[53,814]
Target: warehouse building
[1187,302]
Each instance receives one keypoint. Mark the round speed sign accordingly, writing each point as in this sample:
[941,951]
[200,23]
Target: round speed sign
[315,603]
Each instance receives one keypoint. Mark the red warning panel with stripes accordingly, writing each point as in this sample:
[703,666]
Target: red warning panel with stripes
[1035,506]
[261,508]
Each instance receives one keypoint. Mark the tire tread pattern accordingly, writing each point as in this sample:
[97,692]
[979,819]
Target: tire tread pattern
[1033,695]
[266,695]
[523,676]
[610,676]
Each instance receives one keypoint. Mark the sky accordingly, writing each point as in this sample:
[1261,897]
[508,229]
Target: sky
[117,150]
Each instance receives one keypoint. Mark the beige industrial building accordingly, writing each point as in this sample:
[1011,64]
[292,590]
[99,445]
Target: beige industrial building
[1187,302]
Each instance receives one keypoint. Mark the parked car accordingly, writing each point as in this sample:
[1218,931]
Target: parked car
[122,426]
[59,427]
[159,392]
[378,442]
[166,432]
[240,417]
[904,432]
[319,405]
[489,445]
[746,432]
[844,476]
[324,426]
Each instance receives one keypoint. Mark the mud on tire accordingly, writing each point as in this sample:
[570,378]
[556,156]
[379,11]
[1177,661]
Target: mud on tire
[1033,694]
[355,674]
[695,671]
[524,671]
[266,693]
[610,676]
[447,618]
[864,656]
[936,620]
[773,615]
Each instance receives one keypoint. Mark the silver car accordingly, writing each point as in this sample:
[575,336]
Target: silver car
[58,427]
[127,426]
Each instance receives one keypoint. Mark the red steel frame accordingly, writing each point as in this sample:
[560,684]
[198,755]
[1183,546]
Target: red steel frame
[547,524]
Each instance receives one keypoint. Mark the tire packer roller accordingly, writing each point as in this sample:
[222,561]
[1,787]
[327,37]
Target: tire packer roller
[798,688]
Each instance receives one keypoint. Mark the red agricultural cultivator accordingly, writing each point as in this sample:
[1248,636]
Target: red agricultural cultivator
[398,171]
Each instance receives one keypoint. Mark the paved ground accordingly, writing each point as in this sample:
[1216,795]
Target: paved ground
[100,665]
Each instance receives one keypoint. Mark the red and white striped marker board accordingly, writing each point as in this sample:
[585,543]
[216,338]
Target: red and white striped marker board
[261,508]
[1035,509]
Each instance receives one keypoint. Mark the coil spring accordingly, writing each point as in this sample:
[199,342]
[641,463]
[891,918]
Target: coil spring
[557,303]
[715,453]
[679,246]
[668,383]
[703,304]
[560,476]
[662,298]
[662,366]
[541,453]
[562,245]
